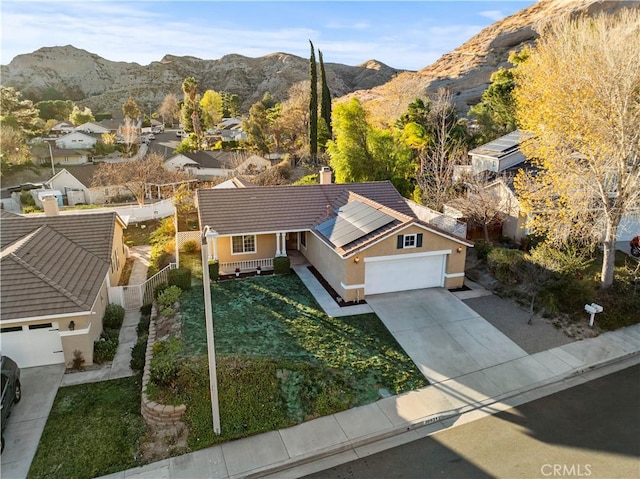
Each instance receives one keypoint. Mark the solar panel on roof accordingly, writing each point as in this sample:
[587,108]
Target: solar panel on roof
[354,220]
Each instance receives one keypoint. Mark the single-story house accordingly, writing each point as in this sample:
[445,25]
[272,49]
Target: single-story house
[363,238]
[55,273]
[91,127]
[203,165]
[62,128]
[76,140]
[76,185]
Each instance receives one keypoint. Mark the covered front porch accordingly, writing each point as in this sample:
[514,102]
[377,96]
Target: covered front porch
[257,253]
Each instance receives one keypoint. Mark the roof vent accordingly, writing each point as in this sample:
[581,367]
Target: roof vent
[325,175]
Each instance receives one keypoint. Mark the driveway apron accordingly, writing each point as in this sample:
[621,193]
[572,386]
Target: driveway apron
[444,337]
[28,418]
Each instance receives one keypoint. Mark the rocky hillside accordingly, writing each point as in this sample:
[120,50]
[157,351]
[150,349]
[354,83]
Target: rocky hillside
[466,71]
[103,85]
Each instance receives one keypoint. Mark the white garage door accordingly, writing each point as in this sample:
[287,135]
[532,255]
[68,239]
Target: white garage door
[32,345]
[400,273]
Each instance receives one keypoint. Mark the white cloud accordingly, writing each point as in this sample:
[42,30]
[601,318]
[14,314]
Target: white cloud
[348,26]
[494,15]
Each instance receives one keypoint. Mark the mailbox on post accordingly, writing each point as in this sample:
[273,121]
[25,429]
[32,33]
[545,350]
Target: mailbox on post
[592,309]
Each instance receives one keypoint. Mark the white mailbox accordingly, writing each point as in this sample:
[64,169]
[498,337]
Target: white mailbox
[592,309]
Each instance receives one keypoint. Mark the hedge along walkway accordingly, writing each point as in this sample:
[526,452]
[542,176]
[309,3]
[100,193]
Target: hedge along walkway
[276,317]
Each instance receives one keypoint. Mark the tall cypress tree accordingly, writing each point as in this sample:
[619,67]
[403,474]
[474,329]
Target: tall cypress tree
[313,106]
[325,98]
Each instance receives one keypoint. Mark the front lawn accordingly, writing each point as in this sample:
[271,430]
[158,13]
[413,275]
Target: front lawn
[93,429]
[281,360]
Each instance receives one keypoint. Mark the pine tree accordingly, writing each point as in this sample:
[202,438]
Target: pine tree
[325,99]
[313,106]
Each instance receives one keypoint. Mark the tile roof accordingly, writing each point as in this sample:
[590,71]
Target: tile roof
[46,273]
[93,232]
[295,208]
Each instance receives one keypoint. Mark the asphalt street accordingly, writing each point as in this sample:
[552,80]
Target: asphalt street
[591,430]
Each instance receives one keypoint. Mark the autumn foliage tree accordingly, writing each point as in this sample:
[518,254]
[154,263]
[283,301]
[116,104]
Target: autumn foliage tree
[578,94]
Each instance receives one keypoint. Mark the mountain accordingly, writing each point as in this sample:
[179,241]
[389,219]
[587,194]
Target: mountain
[103,85]
[466,71]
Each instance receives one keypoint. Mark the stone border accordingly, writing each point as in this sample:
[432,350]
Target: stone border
[156,414]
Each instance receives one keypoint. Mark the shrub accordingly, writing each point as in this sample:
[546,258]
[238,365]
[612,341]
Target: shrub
[504,264]
[31,209]
[214,270]
[281,265]
[113,316]
[191,246]
[169,296]
[166,362]
[78,360]
[104,349]
[143,324]
[27,199]
[145,309]
[482,249]
[138,353]
[159,289]
[180,277]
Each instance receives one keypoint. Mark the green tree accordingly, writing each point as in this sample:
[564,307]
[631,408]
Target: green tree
[230,105]
[55,109]
[325,105]
[257,128]
[211,106]
[18,113]
[191,107]
[578,97]
[78,116]
[495,114]
[14,152]
[313,106]
[360,152]
[130,109]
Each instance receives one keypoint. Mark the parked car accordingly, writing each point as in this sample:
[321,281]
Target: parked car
[635,246]
[11,390]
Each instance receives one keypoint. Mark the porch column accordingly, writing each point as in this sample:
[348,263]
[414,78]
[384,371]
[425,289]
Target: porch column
[277,244]
[284,244]
[215,248]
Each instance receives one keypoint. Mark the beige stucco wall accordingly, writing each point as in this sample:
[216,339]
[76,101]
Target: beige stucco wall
[118,254]
[341,272]
[265,248]
[87,330]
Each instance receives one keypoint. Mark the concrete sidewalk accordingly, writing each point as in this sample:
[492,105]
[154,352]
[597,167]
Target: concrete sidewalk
[120,366]
[475,370]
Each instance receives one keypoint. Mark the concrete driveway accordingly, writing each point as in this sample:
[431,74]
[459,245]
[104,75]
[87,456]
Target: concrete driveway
[28,418]
[443,336]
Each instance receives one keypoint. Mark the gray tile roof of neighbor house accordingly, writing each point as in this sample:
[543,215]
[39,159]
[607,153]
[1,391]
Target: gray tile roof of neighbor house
[93,232]
[45,273]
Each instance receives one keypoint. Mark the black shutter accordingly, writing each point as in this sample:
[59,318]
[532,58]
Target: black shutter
[400,241]
[419,240]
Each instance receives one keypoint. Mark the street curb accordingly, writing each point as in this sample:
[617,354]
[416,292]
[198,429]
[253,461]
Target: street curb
[437,421]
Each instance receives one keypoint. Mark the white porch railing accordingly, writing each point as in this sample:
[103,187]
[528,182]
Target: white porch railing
[133,296]
[246,266]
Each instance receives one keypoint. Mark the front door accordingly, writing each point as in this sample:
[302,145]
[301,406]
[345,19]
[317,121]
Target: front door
[292,241]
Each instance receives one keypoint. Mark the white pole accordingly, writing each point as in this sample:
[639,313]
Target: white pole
[211,351]
[53,170]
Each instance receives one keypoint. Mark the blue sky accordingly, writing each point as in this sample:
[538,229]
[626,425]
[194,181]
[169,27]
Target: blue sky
[409,35]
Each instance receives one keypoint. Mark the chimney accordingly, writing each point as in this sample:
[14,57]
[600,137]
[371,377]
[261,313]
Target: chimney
[325,175]
[50,204]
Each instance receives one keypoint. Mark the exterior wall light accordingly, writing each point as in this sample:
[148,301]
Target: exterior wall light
[356,260]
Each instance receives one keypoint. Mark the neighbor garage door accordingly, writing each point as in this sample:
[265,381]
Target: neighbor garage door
[32,345]
[403,273]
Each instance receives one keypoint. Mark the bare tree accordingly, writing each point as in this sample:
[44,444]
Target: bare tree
[170,109]
[136,176]
[130,134]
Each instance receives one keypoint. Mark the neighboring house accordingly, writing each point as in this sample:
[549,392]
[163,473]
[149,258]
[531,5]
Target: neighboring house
[363,238]
[58,156]
[55,273]
[496,156]
[503,159]
[111,124]
[75,140]
[75,183]
[203,165]
[91,127]
[62,128]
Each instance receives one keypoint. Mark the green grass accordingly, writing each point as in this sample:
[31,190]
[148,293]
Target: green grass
[281,360]
[93,429]
[137,235]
